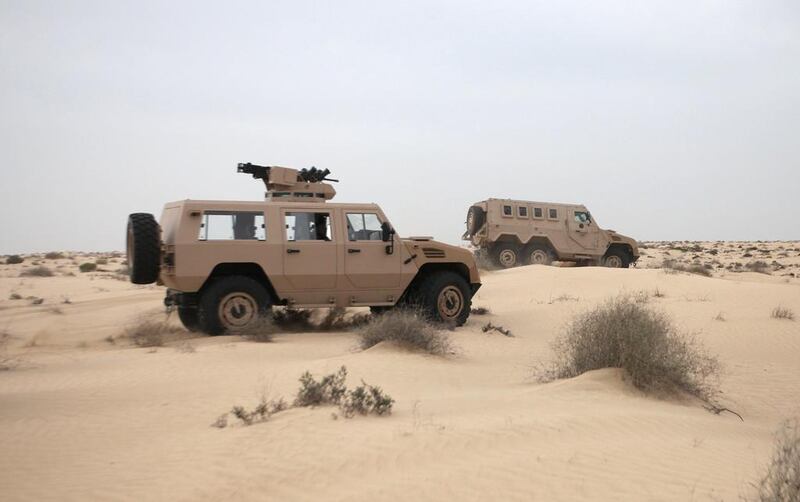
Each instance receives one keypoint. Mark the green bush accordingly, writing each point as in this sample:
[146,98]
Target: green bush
[87,267]
[623,333]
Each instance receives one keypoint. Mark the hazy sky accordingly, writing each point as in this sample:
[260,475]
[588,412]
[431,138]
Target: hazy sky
[669,120]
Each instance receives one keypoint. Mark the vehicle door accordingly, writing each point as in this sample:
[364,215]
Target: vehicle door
[310,249]
[582,229]
[367,263]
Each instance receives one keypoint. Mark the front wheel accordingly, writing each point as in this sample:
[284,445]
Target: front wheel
[540,255]
[506,255]
[232,304]
[446,297]
[616,258]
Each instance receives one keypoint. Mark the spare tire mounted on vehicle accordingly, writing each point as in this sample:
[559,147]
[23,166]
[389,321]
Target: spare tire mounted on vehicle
[475,219]
[144,248]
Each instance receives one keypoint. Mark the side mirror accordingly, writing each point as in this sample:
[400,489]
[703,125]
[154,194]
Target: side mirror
[388,236]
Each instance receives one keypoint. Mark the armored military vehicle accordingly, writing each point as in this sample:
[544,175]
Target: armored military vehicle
[519,232]
[225,263]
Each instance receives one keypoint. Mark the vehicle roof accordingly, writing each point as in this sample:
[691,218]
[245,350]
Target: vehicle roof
[262,203]
[535,202]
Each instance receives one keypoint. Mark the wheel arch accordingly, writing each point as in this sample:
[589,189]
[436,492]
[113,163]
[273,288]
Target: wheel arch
[621,246]
[428,269]
[542,240]
[247,269]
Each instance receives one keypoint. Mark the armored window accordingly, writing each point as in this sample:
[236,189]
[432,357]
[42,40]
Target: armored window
[537,212]
[522,212]
[364,227]
[308,226]
[582,217]
[507,211]
[552,214]
[232,225]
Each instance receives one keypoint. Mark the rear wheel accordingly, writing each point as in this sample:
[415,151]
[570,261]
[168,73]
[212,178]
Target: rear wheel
[506,255]
[616,258]
[539,254]
[445,297]
[143,246]
[232,304]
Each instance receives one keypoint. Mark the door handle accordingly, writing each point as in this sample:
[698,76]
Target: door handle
[292,251]
[352,251]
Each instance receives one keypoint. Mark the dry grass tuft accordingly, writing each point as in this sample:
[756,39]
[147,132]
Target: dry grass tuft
[261,330]
[149,332]
[781,483]
[759,266]
[406,328]
[782,313]
[694,268]
[54,255]
[40,271]
[622,333]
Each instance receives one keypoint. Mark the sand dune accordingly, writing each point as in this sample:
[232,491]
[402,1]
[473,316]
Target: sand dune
[84,418]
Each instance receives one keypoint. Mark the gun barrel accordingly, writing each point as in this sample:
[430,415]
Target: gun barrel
[259,172]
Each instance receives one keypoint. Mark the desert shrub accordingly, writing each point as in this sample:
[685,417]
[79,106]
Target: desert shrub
[101,261]
[15,296]
[622,333]
[329,390]
[407,328]
[87,267]
[336,319]
[693,268]
[14,259]
[261,413]
[261,330]
[782,313]
[781,483]
[149,332]
[291,319]
[40,271]
[366,399]
[759,266]
[54,255]
[479,311]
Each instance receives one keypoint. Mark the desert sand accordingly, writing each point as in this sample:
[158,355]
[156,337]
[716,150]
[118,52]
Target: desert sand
[84,414]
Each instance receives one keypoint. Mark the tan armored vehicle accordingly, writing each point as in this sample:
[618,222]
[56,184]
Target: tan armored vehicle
[519,232]
[225,263]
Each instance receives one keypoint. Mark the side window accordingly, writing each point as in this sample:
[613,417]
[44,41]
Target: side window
[507,211]
[308,226]
[582,217]
[522,212]
[538,212]
[552,214]
[364,227]
[232,225]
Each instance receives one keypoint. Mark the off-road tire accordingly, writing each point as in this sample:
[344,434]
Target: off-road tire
[506,255]
[616,258]
[143,245]
[230,304]
[539,254]
[476,217]
[445,297]
[189,318]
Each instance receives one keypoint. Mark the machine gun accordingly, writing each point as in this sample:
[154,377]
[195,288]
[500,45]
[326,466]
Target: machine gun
[288,183]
